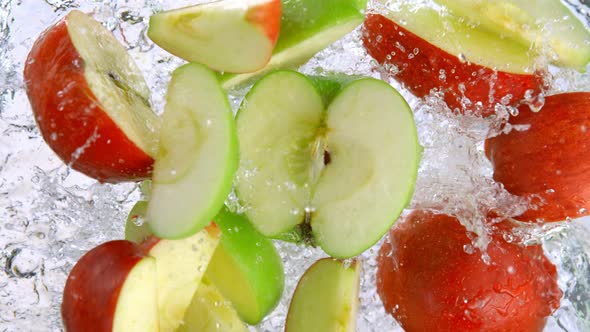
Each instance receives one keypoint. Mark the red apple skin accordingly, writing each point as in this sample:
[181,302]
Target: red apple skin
[421,72]
[69,115]
[93,286]
[268,17]
[429,283]
[550,160]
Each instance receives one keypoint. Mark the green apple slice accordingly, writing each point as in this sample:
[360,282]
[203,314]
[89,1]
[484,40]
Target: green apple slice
[543,23]
[235,36]
[340,177]
[209,311]
[326,298]
[307,27]
[197,157]
[461,38]
[246,268]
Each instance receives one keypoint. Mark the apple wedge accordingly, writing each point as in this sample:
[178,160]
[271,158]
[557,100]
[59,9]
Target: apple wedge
[209,311]
[326,298]
[246,268]
[234,36]
[112,288]
[197,155]
[546,162]
[306,27]
[337,178]
[474,68]
[180,264]
[546,25]
[91,102]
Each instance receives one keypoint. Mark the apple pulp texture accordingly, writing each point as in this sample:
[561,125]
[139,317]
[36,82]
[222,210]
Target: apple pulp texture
[547,162]
[56,79]
[326,298]
[422,67]
[424,271]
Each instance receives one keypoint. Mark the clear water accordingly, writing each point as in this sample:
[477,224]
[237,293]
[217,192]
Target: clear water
[50,215]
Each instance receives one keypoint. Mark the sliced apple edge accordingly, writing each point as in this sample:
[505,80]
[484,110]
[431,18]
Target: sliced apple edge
[197,138]
[326,298]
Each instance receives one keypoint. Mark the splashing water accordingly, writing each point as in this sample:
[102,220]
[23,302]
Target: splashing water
[51,215]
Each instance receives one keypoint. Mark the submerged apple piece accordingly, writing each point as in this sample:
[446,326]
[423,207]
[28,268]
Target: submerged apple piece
[338,177]
[545,159]
[428,281]
[112,288]
[209,311]
[235,36]
[306,27]
[198,154]
[90,101]
[538,24]
[326,298]
[474,68]
[246,268]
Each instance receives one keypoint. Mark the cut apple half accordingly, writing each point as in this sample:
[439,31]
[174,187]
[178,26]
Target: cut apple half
[209,311]
[326,298]
[246,268]
[306,27]
[197,157]
[235,36]
[113,287]
[538,24]
[340,176]
[91,102]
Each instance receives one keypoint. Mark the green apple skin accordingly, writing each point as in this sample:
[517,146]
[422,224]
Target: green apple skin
[307,27]
[246,268]
[136,229]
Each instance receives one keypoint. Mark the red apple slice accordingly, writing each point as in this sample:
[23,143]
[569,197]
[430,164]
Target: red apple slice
[235,36]
[475,69]
[112,288]
[547,162]
[90,101]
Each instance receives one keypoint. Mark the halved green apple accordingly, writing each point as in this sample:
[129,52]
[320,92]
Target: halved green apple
[246,268]
[307,27]
[340,177]
[540,24]
[209,311]
[326,298]
[197,156]
[235,36]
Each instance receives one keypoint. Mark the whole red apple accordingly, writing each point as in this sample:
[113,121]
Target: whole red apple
[546,160]
[428,281]
[90,101]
